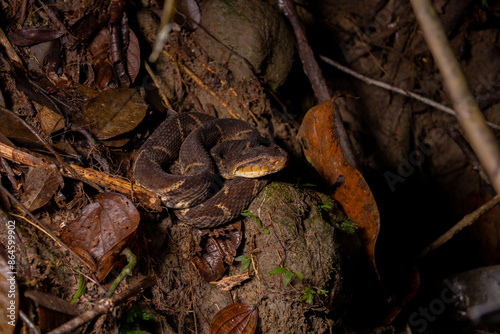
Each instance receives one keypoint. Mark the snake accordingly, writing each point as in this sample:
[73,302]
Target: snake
[208,170]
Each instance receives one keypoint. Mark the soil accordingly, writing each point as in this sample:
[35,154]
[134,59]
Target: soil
[241,61]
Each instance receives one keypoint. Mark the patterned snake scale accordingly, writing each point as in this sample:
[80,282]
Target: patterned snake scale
[190,156]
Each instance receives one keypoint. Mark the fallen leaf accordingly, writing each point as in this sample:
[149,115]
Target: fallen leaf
[40,185]
[103,230]
[9,293]
[228,283]
[218,247]
[115,112]
[29,36]
[50,121]
[52,311]
[103,68]
[133,56]
[235,319]
[320,139]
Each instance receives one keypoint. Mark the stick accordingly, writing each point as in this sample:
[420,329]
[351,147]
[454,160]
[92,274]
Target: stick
[380,84]
[466,221]
[104,306]
[471,119]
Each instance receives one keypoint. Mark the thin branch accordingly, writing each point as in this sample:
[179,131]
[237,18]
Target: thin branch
[104,306]
[466,221]
[311,67]
[380,84]
[482,140]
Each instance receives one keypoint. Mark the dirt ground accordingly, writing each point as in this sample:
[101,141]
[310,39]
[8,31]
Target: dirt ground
[240,59]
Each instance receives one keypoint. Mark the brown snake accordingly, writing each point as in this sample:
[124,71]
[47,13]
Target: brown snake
[196,140]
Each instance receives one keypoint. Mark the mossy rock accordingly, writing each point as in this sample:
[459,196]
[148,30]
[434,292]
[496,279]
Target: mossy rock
[253,31]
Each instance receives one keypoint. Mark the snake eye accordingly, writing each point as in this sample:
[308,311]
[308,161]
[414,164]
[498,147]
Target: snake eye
[265,156]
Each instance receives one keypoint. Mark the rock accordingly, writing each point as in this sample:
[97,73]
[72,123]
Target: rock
[253,30]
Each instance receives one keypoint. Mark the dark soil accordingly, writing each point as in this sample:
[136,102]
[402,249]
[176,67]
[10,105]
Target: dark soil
[242,62]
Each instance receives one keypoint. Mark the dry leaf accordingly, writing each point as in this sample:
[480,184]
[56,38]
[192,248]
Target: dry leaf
[319,137]
[50,121]
[235,319]
[9,292]
[29,36]
[218,247]
[115,112]
[103,229]
[40,185]
[52,311]
[228,283]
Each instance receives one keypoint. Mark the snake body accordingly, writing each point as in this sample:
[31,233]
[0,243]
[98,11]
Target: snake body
[212,153]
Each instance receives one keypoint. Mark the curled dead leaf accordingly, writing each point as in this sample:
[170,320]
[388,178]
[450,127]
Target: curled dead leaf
[320,139]
[235,319]
[218,247]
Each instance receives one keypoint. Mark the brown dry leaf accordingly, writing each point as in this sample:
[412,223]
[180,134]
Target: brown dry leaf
[319,137]
[40,185]
[133,56]
[29,36]
[115,112]
[103,66]
[228,283]
[9,293]
[50,121]
[51,310]
[13,129]
[103,229]
[235,319]
[218,247]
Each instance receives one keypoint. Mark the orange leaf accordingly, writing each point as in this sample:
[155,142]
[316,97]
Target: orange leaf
[235,319]
[320,139]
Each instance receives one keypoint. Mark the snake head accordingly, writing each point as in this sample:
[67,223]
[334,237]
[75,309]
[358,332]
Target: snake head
[259,161]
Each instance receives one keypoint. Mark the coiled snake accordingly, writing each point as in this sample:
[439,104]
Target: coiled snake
[196,140]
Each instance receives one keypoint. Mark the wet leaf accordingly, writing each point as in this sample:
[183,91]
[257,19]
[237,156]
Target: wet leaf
[218,247]
[9,293]
[29,36]
[228,283]
[40,185]
[235,319]
[320,140]
[103,229]
[114,112]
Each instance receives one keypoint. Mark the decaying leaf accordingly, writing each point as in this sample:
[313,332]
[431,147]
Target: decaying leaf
[320,139]
[40,185]
[103,229]
[115,112]
[235,319]
[9,293]
[52,311]
[228,283]
[218,247]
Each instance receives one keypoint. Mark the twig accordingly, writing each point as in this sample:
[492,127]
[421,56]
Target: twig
[104,306]
[86,175]
[49,148]
[469,116]
[380,84]
[466,221]
[41,226]
[306,54]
